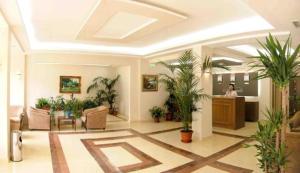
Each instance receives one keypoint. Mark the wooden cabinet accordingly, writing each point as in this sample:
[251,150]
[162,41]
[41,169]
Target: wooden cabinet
[252,111]
[228,112]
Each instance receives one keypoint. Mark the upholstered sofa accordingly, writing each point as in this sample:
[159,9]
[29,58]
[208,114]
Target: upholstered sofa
[293,145]
[16,116]
[94,118]
[39,119]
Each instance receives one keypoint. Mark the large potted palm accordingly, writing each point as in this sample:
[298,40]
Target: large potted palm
[279,63]
[106,87]
[186,90]
[183,76]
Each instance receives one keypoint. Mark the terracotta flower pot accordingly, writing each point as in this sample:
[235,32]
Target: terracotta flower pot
[156,119]
[186,136]
[111,111]
[169,116]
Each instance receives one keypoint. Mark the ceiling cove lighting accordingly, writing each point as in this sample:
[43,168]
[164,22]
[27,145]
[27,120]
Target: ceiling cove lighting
[73,64]
[255,23]
[226,59]
[247,49]
[250,50]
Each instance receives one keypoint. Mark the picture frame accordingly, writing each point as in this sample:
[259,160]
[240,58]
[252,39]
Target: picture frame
[149,83]
[70,84]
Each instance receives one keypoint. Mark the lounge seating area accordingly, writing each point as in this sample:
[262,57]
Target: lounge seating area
[148,86]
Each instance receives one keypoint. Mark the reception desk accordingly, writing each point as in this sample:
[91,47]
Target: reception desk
[228,112]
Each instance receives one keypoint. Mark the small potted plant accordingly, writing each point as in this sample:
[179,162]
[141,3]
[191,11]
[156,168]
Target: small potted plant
[60,103]
[68,108]
[43,103]
[89,103]
[77,108]
[157,113]
[170,105]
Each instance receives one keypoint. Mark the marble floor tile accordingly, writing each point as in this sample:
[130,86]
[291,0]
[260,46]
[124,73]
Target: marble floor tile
[130,149]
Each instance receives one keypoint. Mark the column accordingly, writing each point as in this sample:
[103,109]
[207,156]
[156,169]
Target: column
[202,119]
[4,91]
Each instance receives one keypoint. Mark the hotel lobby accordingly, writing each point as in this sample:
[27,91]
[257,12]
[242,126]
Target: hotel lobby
[92,86]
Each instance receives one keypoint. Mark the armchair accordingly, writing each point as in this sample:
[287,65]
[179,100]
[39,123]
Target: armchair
[95,118]
[16,116]
[39,119]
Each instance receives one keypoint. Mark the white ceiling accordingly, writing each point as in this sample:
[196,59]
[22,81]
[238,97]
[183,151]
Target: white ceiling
[56,24]
[123,24]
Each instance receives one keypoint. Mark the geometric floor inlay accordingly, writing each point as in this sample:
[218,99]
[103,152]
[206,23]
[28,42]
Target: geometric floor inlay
[107,151]
[108,165]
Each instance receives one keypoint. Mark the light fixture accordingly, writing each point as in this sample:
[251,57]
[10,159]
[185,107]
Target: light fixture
[232,78]
[219,78]
[250,24]
[246,78]
[19,75]
[226,59]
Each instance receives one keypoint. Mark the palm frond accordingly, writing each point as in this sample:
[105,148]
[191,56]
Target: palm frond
[207,64]
[276,61]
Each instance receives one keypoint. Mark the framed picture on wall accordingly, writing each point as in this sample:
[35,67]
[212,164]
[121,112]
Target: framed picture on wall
[150,82]
[70,84]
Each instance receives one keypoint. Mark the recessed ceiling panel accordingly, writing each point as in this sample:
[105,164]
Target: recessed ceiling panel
[125,21]
[123,24]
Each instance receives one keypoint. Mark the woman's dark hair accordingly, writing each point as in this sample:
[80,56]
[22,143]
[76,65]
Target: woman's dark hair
[233,87]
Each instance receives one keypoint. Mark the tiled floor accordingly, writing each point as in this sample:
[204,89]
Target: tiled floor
[136,147]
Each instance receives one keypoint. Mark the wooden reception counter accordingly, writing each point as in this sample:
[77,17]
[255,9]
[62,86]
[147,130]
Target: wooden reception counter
[228,112]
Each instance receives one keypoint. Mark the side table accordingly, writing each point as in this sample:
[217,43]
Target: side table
[63,119]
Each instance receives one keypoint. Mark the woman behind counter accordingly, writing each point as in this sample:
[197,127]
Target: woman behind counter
[231,91]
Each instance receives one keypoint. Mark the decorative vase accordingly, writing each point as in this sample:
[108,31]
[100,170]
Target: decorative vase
[186,136]
[68,114]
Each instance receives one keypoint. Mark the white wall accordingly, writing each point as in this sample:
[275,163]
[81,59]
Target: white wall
[43,71]
[17,71]
[43,79]
[149,99]
[123,89]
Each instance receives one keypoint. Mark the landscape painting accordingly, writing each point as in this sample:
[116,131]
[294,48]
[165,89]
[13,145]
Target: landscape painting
[70,84]
[150,83]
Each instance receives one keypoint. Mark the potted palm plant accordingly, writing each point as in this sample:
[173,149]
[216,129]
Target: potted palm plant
[156,113]
[277,62]
[186,90]
[105,86]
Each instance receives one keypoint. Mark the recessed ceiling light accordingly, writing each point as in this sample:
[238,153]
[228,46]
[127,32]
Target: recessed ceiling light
[254,23]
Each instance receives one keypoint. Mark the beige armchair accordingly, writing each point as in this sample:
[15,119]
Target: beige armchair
[39,119]
[95,118]
[16,116]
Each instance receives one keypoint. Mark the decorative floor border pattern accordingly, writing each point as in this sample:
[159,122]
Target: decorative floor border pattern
[103,161]
[60,165]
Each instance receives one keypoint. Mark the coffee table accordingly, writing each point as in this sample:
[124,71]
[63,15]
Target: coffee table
[62,120]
